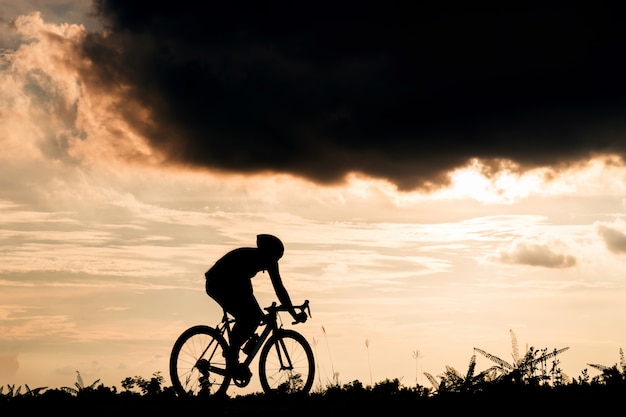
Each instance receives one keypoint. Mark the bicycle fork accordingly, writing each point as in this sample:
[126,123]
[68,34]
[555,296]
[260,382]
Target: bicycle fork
[283,357]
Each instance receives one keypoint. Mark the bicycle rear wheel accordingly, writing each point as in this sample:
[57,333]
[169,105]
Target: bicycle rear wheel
[198,363]
[286,364]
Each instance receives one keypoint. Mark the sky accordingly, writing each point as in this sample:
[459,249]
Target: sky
[442,179]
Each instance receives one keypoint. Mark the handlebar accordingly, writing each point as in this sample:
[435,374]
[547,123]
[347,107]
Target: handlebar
[304,308]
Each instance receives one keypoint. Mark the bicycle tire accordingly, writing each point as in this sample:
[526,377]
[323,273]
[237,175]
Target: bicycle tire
[275,378]
[194,344]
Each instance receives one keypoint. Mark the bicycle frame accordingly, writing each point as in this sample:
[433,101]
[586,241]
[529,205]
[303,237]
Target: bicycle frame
[270,327]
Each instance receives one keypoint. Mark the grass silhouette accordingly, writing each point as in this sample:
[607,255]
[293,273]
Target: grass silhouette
[149,397]
[528,385]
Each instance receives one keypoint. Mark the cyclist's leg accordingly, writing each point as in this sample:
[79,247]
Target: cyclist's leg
[237,298]
[248,315]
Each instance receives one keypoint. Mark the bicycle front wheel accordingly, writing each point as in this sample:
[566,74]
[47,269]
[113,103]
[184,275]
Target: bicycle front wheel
[198,363]
[286,364]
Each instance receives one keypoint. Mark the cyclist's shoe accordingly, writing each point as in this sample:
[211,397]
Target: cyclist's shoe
[240,371]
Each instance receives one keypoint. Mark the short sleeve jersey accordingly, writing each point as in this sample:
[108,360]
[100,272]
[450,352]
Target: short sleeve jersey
[240,264]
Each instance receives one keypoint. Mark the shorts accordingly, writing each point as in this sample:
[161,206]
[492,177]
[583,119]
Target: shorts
[236,297]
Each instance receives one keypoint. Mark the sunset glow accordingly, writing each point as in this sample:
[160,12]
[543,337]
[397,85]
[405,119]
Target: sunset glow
[112,209]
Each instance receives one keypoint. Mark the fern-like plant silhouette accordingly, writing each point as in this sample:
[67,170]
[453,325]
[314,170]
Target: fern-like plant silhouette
[612,374]
[17,392]
[80,386]
[453,381]
[530,368]
[622,363]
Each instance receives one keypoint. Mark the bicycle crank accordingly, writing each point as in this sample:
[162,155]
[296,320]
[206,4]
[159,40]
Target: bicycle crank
[241,382]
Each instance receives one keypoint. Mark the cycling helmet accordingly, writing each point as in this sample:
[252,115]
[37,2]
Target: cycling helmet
[270,245]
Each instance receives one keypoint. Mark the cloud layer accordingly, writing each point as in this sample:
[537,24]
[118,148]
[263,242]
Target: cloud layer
[390,90]
[93,250]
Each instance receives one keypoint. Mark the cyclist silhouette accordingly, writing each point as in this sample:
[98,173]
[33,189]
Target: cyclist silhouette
[229,283]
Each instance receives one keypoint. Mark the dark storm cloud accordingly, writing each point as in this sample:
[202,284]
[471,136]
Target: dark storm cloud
[397,90]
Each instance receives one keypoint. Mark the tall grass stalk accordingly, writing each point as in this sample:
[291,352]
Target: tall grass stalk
[317,363]
[367,347]
[417,355]
[332,367]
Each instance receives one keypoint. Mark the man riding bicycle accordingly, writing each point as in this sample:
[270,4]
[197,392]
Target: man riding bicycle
[229,283]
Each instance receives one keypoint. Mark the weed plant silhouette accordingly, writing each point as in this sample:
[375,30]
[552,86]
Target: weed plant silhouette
[530,368]
[80,385]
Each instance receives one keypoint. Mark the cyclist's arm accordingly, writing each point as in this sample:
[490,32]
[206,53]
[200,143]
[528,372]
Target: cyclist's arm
[281,291]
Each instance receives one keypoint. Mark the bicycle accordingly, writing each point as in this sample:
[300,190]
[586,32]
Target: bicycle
[198,365]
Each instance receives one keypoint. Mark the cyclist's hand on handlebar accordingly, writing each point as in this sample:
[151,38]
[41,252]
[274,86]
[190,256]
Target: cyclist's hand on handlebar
[300,317]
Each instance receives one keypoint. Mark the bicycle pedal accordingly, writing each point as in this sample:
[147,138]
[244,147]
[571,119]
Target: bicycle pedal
[241,383]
